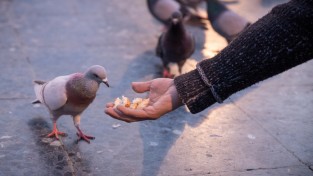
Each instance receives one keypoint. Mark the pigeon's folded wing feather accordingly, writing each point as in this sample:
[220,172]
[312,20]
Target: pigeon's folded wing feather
[158,50]
[54,93]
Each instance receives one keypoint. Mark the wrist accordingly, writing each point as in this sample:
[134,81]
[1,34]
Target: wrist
[193,92]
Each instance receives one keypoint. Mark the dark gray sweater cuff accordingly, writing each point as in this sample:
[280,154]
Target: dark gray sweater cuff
[193,91]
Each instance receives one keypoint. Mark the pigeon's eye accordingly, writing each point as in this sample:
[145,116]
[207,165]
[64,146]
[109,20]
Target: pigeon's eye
[95,75]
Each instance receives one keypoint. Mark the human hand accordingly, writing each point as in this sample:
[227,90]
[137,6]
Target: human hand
[163,98]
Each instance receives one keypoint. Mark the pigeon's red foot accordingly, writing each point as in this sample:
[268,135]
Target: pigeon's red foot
[166,74]
[82,136]
[55,132]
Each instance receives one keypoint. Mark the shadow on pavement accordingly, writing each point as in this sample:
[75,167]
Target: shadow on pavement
[159,136]
[55,158]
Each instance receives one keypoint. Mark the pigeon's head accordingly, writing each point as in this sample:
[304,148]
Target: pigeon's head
[97,73]
[176,17]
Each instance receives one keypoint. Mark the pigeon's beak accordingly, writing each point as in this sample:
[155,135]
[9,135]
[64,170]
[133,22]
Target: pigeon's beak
[105,81]
[175,20]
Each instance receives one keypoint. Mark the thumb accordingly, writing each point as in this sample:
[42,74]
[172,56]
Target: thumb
[141,87]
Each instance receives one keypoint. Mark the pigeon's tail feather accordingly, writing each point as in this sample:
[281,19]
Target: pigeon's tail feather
[38,91]
[39,82]
[36,102]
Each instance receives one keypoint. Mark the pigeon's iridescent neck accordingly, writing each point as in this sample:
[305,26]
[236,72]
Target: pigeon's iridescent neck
[81,86]
[177,29]
[77,75]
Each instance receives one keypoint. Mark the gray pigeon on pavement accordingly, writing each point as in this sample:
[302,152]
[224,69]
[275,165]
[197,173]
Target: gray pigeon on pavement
[70,95]
[175,45]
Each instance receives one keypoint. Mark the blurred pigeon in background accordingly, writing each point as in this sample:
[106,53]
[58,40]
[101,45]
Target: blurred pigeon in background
[70,95]
[175,45]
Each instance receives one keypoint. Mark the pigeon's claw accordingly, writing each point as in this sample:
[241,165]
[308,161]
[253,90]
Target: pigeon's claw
[82,136]
[166,74]
[55,132]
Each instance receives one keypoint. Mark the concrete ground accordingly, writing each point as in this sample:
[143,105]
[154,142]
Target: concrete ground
[265,130]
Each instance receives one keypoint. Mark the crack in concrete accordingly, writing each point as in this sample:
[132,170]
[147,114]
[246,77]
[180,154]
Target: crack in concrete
[68,158]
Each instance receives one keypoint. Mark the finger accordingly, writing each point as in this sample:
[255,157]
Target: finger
[141,87]
[136,114]
[114,114]
[110,104]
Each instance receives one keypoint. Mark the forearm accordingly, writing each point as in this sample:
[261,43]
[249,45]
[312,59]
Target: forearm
[275,43]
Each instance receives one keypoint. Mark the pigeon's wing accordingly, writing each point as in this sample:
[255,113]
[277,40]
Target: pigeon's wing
[189,45]
[159,50]
[54,92]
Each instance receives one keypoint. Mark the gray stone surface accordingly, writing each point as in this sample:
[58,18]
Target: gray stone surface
[263,130]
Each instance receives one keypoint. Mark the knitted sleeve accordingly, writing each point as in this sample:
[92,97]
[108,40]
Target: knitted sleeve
[278,41]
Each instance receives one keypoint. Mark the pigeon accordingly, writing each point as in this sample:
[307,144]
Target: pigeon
[175,45]
[70,95]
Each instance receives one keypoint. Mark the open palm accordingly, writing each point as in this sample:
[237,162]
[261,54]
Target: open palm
[163,99]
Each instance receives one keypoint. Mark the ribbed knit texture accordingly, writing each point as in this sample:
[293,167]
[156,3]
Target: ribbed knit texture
[275,43]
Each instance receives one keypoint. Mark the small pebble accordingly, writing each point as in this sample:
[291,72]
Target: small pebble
[79,157]
[250,136]
[55,143]
[46,140]
[178,132]
[154,144]
[37,105]
[116,125]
